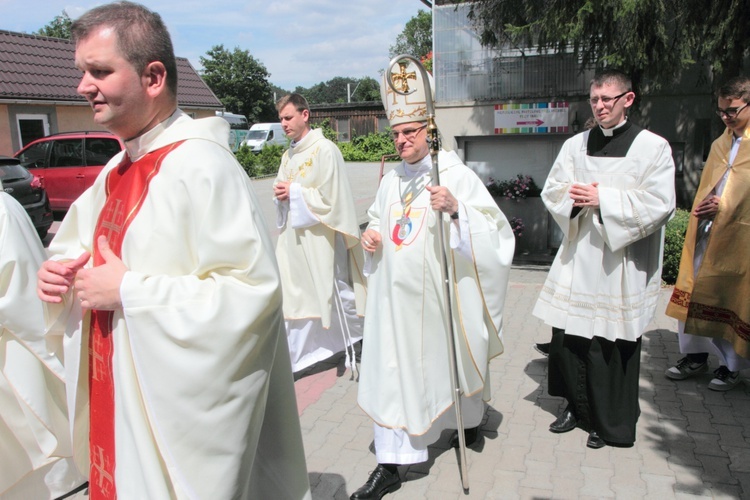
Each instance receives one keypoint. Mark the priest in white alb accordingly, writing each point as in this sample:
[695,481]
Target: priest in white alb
[36,454]
[163,271]
[320,259]
[611,191]
[405,383]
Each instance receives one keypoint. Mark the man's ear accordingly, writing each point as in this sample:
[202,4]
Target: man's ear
[306,115]
[629,99]
[155,78]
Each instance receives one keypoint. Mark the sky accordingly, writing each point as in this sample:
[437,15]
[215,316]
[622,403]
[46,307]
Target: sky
[300,42]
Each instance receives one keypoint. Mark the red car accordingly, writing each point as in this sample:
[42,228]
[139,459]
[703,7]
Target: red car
[68,163]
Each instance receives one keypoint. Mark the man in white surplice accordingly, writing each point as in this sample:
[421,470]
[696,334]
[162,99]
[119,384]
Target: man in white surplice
[36,453]
[611,191]
[163,272]
[320,259]
[405,384]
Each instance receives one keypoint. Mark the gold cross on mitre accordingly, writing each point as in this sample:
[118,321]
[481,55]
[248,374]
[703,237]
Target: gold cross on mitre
[400,80]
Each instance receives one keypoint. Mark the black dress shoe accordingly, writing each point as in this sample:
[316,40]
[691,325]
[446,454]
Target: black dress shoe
[542,349]
[381,481]
[565,422]
[594,441]
[471,436]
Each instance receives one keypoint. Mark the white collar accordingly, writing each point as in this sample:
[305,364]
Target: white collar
[421,167]
[609,132]
[139,146]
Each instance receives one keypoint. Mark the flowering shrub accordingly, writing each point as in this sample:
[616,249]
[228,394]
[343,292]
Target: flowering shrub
[516,224]
[427,61]
[522,186]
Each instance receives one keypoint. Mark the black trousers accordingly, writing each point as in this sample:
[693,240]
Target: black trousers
[599,379]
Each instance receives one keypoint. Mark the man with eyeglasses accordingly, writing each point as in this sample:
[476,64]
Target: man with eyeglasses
[710,298]
[405,384]
[611,190]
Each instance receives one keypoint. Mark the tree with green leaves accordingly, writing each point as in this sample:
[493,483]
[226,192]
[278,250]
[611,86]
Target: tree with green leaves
[366,89]
[240,82]
[339,89]
[652,40]
[416,39]
[59,27]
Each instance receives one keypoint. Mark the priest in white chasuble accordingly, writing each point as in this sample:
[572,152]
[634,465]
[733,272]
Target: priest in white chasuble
[178,372]
[318,250]
[405,383]
[36,454]
[611,191]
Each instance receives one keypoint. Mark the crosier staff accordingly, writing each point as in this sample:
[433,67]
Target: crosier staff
[398,82]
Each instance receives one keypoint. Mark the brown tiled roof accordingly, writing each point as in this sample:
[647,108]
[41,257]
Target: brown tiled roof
[41,68]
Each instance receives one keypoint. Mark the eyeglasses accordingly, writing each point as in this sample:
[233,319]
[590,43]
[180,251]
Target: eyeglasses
[408,133]
[607,101]
[730,112]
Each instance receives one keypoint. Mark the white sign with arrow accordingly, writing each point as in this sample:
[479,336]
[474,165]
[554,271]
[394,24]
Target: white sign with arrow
[531,118]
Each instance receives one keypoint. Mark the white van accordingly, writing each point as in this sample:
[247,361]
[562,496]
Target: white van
[261,134]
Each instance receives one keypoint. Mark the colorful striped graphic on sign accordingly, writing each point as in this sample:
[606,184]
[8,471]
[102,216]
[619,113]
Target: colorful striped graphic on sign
[532,118]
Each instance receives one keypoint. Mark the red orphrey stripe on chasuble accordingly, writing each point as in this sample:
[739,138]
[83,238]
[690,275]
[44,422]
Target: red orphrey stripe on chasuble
[126,187]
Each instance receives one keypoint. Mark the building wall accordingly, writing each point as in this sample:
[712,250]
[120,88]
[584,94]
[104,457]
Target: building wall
[6,145]
[61,118]
[471,80]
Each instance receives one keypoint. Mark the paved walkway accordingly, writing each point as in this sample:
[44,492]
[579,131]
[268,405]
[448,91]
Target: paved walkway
[691,442]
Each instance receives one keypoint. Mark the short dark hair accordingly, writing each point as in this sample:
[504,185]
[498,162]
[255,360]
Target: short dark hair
[612,76]
[736,88]
[299,102]
[142,37]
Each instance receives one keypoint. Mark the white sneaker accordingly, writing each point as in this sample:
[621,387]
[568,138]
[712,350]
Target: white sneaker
[724,379]
[685,368]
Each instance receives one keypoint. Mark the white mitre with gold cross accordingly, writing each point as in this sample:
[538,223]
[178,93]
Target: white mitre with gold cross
[411,107]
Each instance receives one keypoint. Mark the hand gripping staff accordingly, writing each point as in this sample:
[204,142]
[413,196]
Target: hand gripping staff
[399,83]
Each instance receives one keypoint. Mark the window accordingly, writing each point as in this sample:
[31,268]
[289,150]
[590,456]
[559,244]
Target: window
[342,129]
[66,153]
[31,127]
[100,151]
[36,156]
[383,124]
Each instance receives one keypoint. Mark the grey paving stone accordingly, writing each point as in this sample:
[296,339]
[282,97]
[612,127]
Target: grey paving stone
[691,442]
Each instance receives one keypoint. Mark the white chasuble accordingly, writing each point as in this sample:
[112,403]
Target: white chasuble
[405,379]
[204,403]
[36,454]
[306,254]
[318,251]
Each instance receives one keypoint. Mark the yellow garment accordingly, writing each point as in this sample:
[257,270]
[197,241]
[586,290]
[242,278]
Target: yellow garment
[714,303]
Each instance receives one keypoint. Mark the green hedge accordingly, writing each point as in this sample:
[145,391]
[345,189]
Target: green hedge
[674,238]
[368,148]
[371,147]
[266,162]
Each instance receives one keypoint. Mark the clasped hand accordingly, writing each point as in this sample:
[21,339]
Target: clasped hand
[281,190]
[708,208]
[96,288]
[585,195]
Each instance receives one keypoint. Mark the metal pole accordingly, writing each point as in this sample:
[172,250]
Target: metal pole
[434,142]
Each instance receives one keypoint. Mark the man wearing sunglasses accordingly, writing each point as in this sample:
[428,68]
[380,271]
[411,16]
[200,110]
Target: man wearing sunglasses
[710,296]
[611,191]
